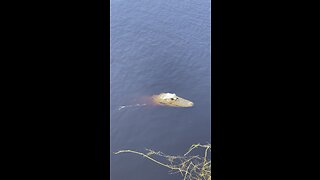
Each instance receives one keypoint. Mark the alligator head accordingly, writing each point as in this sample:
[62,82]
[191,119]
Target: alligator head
[170,99]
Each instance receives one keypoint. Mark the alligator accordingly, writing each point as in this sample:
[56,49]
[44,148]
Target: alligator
[163,99]
[169,99]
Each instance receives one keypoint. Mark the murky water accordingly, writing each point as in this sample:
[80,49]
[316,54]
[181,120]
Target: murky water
[158,46]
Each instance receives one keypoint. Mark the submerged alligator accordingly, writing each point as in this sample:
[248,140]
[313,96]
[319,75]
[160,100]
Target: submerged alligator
[163,99]
[168,99]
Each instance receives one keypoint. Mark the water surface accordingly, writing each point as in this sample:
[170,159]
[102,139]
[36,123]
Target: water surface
[158,46]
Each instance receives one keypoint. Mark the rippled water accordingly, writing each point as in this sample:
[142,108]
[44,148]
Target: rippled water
[158,46]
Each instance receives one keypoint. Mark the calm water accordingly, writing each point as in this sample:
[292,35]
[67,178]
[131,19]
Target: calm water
[158,46]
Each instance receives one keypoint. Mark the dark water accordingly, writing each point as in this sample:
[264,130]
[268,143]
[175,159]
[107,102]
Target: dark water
[158,46]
